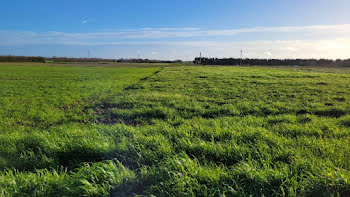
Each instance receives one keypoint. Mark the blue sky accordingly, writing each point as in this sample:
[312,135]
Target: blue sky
[178,29]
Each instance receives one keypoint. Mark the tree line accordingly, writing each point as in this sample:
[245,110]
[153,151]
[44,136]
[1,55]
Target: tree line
[10,58]
[147,61]
[272,62]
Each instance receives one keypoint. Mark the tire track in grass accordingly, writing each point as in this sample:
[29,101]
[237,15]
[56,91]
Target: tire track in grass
[103,111]
[144,79]
[134,189]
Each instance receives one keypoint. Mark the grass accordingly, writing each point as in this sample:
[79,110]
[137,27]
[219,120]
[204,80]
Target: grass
[97,64]
[173,131]
[323,69]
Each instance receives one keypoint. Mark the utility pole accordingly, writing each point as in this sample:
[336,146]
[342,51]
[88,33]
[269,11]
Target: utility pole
[200,57]
[241,60]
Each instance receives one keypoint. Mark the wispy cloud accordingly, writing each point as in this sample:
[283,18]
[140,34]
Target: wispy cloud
[168,33]
[84,21]
[334,48]
[331,41]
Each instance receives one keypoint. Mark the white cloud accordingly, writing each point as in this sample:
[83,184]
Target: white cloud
[276,49]
[157,33]
[268,54]
[332,41]
[292,49]
[84,21]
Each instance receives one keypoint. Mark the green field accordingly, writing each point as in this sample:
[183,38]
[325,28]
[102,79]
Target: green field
[173,131]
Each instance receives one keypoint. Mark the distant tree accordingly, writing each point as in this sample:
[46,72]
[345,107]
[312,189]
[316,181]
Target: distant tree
[272,62]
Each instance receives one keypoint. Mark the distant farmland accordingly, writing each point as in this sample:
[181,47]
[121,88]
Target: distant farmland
[180,130]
